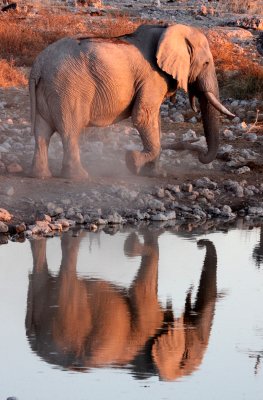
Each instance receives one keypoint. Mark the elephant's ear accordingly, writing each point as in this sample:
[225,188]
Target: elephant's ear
[173,56]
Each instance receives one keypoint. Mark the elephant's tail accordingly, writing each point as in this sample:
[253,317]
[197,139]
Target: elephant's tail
[32,92]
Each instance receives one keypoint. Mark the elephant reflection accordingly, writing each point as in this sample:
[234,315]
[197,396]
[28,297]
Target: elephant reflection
[82,323]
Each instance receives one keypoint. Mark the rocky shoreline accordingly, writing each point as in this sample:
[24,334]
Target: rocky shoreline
[186,193]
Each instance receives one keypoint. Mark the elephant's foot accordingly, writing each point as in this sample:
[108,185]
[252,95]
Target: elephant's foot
[137,163]
[40,172]
[76,174]
[153,170]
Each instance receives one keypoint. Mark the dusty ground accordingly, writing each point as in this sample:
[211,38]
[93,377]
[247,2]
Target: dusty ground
[111,187]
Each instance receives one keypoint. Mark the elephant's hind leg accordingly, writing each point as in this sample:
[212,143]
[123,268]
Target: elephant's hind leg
[43,133]
[71,164]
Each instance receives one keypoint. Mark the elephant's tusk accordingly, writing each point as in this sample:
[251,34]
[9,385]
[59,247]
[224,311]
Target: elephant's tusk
[216,103]
[192,102]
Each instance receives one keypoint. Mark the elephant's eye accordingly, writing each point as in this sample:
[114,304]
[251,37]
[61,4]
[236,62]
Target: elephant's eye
[206,63]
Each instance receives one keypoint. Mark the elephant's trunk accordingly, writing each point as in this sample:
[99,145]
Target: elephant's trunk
[210,118]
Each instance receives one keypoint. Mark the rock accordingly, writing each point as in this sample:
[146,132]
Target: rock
[242,170]
[193,120]
[8,190]
[208,194]
[101,221]
[234,104]
[258,211]
[205,183]
[78,217]
[236,120]
[177,117]
[43,217]
[115,218]
[160,193]
[5,215]
[234,187]
[159,217]
[2,167]
[228,134]
[187,187]
[227,212]
[14,168]
[63,222]
[174,188]
[189,135]
[21,228]
[155,204]
[170,215]
[56,226]
[3,227]
[251,137]
[225,150]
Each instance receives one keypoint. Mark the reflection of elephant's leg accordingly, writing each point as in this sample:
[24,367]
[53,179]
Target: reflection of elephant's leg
[146,119]
[38,248]
[72,321]
[38,283]
[143,293]
[70,249]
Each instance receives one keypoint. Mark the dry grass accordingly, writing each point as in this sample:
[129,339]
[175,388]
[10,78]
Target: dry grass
[10,75]
[239,76]
[241,6]
[23,38]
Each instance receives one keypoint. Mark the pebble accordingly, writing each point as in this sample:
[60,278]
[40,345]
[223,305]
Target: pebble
[189,135]
[227,211]
[115,218]
[14,168]
[251,137]
[21,228]
[177,117]
[255,211]
[187,187]
[242,170]
[205,182]
[5,215]
[234,187]
[156,205]
[3,227]
[228,134]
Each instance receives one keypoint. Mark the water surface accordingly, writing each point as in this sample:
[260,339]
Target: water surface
[148,313]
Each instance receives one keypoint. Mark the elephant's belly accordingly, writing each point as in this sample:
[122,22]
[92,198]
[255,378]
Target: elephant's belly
[112,107]
[105,120]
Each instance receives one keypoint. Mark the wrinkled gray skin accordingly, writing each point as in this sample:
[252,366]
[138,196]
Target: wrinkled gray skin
[80,82]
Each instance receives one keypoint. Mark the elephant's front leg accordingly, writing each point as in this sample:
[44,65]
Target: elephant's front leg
[71,164]
[146,120]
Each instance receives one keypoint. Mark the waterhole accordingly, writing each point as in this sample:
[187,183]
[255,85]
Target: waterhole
[141,314]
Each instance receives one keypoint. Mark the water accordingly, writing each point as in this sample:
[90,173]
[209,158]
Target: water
[145,314]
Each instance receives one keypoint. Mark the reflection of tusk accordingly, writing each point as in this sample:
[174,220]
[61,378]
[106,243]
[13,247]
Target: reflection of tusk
[192,102]
[216,103]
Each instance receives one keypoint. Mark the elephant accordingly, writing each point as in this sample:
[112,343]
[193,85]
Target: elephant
[80,81]
[82,323]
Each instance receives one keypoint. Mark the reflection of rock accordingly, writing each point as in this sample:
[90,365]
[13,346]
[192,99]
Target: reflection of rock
[260,43]
[258,250]
[81,323]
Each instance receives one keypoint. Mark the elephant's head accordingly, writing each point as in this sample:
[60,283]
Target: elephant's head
[183,52]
